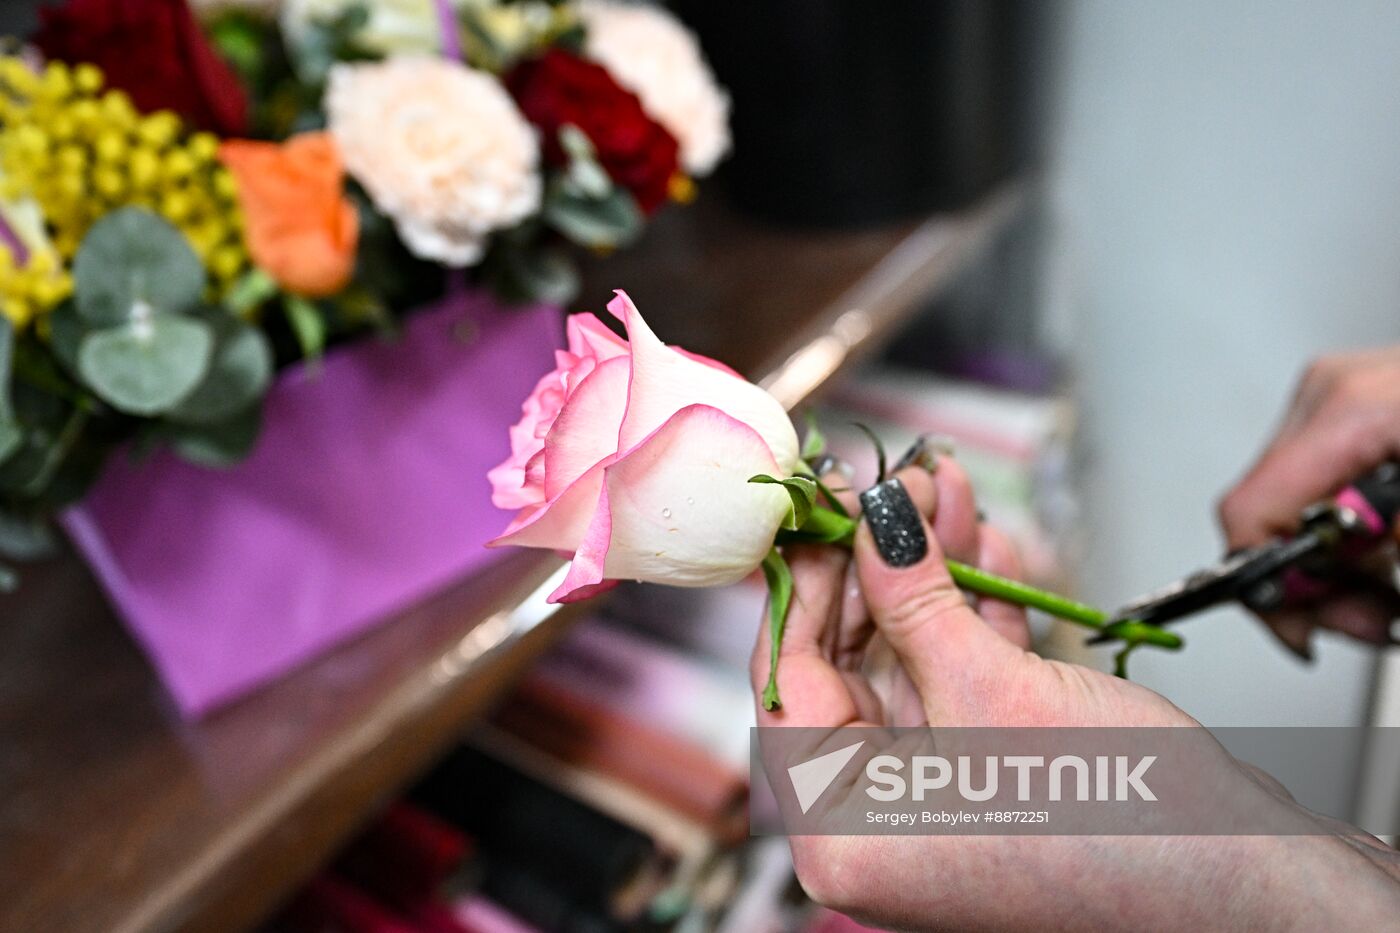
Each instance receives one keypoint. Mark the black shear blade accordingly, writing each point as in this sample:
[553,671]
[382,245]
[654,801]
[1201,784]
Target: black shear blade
[1200,590]
[1230,579]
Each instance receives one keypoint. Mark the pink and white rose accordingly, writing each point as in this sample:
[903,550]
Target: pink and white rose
[634,457]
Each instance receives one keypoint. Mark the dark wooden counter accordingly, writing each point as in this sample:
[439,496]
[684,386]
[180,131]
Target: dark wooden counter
[115,815]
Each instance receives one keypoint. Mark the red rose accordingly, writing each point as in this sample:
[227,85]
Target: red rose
[558,88]
[153,50]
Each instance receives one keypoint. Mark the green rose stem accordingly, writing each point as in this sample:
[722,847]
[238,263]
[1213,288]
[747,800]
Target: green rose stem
[827,526]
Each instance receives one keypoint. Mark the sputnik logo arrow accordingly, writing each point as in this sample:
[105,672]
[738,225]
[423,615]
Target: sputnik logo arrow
[811,778]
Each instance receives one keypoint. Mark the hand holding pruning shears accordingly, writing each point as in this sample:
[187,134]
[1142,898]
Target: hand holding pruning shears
[1312,528]
[1340,432]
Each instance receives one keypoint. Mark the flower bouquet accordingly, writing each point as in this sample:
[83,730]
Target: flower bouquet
[191,200]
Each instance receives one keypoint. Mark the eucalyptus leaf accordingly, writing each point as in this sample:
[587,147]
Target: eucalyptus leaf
[25,538]
[133,263]
[11,437]
[7,345]
[524,273]
[218,445]
[146,367]
[575,142]
[586,177]
[611,221]
[66,332]
[239,372]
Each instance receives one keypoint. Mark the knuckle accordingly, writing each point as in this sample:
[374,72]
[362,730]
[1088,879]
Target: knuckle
[1354,390]
[1321,372]
[923,605]
[1230,509]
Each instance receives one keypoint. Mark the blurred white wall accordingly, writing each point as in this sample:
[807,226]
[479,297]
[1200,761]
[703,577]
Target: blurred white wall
[1226,183]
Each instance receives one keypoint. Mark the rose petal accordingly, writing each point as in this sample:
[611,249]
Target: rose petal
[586,570]
[559,524]
[586,430]
[682,510]
[664,381]
[578,594]
[589,336]
[708,361]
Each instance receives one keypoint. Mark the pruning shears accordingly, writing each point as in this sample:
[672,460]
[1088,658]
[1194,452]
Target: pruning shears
[1287,571]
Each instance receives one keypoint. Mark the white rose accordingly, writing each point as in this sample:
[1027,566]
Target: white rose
[650,53]
[441,149]
[636,458]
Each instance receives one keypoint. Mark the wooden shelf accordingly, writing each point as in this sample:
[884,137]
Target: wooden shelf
[115,815]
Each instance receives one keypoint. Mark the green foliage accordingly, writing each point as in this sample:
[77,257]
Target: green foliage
[238,375]
[583,204]
[240,39]
[778,576]
[814,444]
[879,449]
[66,330]
[146,366]
[133,264]
[11,434]
[521,270]
[607,222]
[803,492]
[307,325]
[25,538]
[219,445]
[250,292]
[833,503]
[327,41]
[584,175]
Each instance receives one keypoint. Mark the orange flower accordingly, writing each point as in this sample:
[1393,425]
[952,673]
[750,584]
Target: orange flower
[299,226]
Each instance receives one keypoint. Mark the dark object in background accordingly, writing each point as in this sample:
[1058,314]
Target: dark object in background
[853,112]
[547,858]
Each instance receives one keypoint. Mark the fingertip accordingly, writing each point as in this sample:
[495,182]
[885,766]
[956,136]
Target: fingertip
[955,521]
[922,489]
[998,554]
[1293,629]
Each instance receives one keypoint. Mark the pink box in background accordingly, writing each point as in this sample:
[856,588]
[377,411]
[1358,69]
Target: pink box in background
[366,492]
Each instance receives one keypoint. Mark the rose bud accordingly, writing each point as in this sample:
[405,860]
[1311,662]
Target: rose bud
[635,458]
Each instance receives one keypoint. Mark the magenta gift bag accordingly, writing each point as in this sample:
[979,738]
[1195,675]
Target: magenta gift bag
[367,491]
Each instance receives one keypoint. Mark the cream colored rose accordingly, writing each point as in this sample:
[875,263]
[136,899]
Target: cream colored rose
[441,149]
[650,53]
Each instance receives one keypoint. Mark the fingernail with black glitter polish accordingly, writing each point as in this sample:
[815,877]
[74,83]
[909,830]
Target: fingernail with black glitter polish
[895,523]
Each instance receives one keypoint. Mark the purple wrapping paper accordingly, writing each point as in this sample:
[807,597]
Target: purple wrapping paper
[366,492]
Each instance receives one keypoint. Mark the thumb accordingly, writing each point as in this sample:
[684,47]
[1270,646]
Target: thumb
[941,641]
